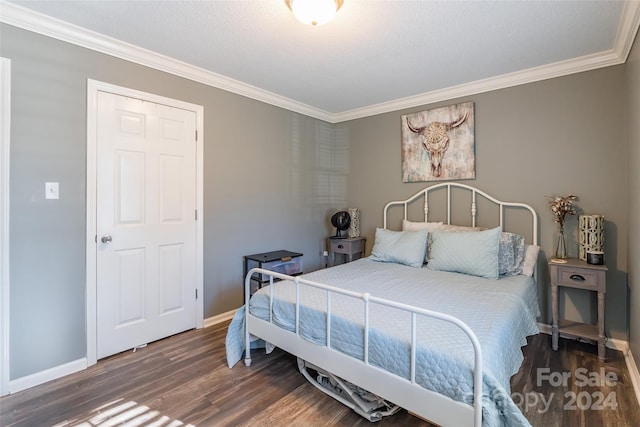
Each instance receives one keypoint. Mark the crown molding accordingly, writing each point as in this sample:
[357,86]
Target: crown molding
[627,29]
[26,19]
[558,69]
[38,23]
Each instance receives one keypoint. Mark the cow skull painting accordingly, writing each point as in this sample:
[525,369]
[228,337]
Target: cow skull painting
[439,144]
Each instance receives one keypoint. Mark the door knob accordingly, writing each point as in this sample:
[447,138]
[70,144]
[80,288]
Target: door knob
[106,239]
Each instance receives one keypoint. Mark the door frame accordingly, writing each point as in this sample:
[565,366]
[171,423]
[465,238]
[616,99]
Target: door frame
[93,87]
[5,138]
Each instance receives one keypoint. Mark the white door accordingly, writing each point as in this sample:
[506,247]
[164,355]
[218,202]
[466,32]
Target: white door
[145,222]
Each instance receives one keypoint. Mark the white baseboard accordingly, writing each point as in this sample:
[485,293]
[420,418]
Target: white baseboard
[633,372]
[615,344]
[544,328]
[56,372]
[47,375]
[612,343]
[80,364]
[219,318]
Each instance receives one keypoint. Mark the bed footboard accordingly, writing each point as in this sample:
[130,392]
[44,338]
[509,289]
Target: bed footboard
[403,392]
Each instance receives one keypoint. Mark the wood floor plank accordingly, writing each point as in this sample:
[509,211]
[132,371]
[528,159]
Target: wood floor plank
[185,379]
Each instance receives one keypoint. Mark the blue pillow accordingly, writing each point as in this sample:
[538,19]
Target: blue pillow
[402,247]
[474,253]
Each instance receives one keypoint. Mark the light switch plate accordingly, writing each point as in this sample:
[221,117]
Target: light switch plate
[51,190]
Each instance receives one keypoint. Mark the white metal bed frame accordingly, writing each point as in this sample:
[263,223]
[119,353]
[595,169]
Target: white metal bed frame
[474,206]
[405,393]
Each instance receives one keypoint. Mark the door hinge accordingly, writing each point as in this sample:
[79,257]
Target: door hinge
[196,134]
[196,212]
[196,294]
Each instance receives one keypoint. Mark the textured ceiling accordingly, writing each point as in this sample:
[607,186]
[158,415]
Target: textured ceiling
[372,53]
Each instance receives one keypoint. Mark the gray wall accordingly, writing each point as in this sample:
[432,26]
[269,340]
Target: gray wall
[271,180]
[272,177]
[560,136]
[633,165]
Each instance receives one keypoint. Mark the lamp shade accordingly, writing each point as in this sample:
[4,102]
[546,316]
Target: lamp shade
[354,227]
[314,12]
[591,234]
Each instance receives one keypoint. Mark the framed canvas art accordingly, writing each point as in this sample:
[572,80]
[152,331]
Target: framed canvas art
[439,144]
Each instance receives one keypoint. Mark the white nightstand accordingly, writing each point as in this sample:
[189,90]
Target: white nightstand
[352,248]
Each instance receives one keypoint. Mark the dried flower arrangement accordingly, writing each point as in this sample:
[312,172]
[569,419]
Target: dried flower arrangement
[561,207]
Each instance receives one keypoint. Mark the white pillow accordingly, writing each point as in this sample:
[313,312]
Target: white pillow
[474,253]
[530,259]
[417,226]
[402,247]
[450,227]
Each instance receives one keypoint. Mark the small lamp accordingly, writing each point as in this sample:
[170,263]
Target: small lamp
[314,12]
[591,236]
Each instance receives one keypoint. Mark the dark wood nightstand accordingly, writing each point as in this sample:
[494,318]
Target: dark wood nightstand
[579,275]
[350,248]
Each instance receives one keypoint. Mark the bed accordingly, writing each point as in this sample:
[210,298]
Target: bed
[438,332]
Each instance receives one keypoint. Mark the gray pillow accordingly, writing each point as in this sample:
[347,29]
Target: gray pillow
[510,254]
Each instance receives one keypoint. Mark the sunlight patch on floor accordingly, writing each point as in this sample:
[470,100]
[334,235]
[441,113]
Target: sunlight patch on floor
[124,414]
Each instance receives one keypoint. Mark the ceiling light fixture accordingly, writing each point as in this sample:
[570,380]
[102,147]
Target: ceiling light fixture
[314,12]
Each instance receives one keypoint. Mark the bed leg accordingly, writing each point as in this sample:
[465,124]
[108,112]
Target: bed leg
[247,335]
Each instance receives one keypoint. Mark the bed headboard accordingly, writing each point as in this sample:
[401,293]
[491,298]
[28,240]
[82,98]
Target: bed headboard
[473,209]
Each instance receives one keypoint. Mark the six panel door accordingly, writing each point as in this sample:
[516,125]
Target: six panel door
[146,226]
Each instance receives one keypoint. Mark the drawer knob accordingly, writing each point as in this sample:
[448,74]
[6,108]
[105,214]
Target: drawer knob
[577,277]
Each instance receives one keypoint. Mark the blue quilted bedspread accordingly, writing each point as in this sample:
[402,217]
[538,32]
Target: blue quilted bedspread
[502,313]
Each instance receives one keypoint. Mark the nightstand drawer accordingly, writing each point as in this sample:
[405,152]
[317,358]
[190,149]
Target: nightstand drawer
[344,246]
[578,277]
[291,266]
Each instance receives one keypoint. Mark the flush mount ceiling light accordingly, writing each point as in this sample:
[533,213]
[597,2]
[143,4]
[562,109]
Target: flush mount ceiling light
[314,12]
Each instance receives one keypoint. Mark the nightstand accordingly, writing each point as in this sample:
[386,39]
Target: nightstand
[579,275]
[348,247]
[282,261]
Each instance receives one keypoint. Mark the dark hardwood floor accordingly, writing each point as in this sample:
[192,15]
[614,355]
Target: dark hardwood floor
[184,380]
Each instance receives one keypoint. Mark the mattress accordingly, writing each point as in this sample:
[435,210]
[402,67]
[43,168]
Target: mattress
[502,313]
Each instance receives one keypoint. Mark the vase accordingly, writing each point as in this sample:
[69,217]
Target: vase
[561,245]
